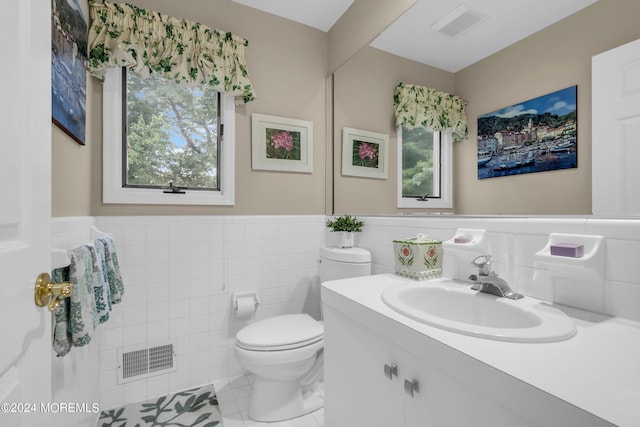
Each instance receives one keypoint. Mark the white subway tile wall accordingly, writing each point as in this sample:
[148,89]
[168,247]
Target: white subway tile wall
[180,272]
[513,242]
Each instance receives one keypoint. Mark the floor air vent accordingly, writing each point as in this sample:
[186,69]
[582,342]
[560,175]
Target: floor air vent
[145,362]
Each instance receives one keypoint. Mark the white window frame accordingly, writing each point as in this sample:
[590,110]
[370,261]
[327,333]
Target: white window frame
[112,189]
[445,201]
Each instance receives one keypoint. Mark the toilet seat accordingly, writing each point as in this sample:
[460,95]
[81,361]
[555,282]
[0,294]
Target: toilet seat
[279,333]
[279,347]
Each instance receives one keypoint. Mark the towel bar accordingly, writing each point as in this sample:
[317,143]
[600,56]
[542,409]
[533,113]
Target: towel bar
[60,256]
[50,294]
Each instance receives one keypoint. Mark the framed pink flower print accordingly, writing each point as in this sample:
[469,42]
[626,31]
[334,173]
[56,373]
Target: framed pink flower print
[365,154]
[281,144]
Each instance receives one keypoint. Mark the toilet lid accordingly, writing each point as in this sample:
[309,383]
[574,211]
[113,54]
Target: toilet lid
[280,333]
[354,255]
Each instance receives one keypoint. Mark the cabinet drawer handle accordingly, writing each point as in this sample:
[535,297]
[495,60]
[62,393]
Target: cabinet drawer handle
[390,369]
[411,387]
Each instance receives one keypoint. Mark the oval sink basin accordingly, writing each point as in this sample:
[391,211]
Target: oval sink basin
[455,307]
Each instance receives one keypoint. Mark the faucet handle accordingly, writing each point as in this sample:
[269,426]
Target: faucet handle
[483,264]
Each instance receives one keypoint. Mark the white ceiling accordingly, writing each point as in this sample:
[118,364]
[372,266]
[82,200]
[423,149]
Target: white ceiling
[505,22]
[320,14]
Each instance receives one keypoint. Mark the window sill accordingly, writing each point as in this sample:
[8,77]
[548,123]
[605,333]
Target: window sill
[421,204]
[145,196]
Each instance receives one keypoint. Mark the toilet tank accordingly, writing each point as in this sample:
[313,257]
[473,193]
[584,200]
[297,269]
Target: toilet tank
[343,263]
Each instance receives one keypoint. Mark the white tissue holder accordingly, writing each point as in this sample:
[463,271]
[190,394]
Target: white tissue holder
[579,282]
[242,295]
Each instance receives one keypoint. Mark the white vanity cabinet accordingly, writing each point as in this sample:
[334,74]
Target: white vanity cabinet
[453,388]
[444,401]
[359,392]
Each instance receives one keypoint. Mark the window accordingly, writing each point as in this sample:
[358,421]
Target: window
[171,134]
[158,133]
[424,168]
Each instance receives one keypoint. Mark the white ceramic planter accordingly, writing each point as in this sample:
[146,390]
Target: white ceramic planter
[347,239]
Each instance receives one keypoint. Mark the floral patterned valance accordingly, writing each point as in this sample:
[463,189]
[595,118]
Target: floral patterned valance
[123,35]
[437,111]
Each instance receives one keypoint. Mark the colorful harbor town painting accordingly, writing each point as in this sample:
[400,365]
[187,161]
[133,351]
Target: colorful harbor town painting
[533,136]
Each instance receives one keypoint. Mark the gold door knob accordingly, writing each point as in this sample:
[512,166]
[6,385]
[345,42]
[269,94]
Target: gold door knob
[50,294]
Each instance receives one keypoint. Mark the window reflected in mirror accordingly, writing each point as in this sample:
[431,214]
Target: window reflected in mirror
[420,163]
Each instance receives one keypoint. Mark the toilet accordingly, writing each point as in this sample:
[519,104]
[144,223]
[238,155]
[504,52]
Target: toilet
[285,352]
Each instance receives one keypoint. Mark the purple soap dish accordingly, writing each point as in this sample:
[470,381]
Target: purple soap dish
[572,250]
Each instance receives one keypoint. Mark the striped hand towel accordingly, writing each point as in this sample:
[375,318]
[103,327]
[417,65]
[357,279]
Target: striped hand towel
[75,318]
[100,286]
[61,331]
[83,318]
[114,277]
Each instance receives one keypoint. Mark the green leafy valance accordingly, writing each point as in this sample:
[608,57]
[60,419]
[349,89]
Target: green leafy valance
[437,111]
[123,35]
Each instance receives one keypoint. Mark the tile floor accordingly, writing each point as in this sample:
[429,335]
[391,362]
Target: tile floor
[233,399]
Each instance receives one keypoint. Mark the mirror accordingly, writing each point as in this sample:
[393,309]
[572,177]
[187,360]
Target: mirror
[360,25]
[555,57]
[363,99]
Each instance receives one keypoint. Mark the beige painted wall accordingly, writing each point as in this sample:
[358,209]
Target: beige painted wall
[359,25]
[363,99]
[552,59]
[71,174]
[287,63]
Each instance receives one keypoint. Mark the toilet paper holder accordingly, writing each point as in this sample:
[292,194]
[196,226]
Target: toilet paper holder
[243,295]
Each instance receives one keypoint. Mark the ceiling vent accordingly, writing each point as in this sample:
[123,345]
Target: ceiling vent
[457,21]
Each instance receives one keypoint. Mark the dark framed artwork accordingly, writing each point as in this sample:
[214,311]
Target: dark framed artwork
[69,25]
[537,135]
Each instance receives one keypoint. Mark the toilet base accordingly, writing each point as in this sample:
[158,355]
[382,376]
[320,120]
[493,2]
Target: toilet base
[273,401]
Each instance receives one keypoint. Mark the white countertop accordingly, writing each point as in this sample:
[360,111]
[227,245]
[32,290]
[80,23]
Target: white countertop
[597,370]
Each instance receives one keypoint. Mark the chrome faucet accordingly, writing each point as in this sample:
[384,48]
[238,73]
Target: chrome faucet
[487,281]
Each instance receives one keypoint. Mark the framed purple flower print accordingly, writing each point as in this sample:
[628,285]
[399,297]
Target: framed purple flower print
[365,154]
[281,144]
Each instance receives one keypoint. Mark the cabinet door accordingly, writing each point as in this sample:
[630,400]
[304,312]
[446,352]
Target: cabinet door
[357,392]
[443,401]
[452,389]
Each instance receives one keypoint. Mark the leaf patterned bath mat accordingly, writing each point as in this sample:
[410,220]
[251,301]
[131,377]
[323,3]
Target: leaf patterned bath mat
[192,408]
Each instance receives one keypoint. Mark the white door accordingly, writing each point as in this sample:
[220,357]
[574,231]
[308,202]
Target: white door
[616,131]
[25,209]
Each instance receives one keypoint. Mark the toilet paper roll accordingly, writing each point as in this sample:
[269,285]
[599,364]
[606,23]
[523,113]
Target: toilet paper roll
[245,306]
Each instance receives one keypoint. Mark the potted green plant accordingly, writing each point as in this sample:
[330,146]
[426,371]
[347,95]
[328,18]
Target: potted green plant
[347,225]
